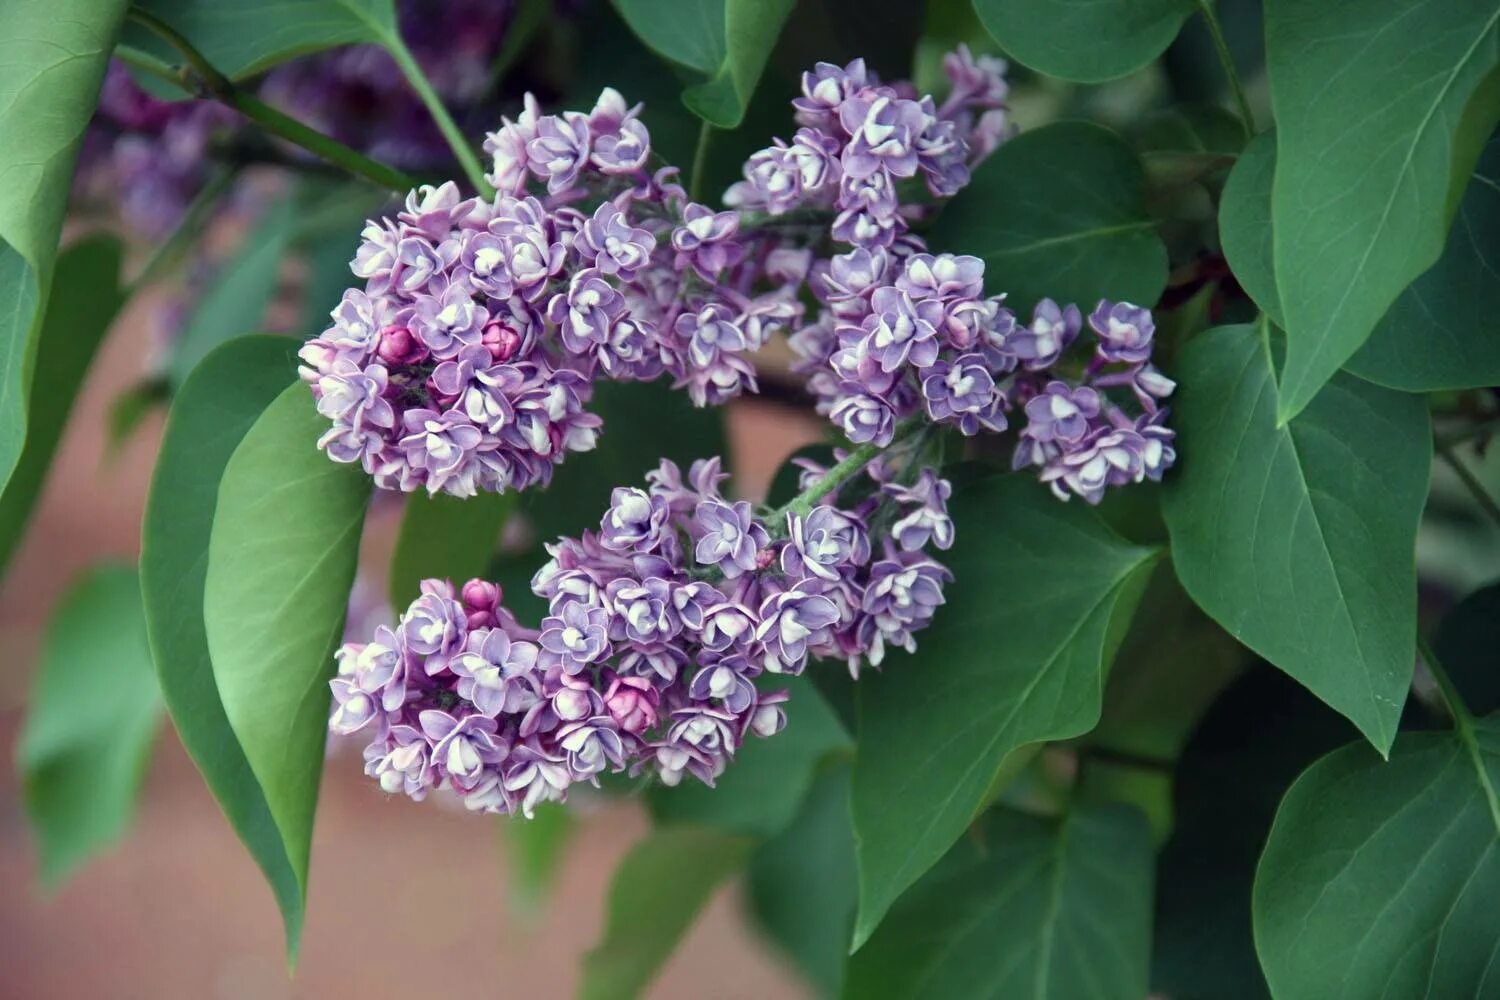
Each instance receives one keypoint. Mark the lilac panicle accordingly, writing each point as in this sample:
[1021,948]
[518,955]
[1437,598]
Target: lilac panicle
[661,627]
[466,363]
[903,330]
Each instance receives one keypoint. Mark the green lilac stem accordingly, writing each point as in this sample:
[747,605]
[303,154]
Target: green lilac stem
[200,78]
[700,161]
[1226,60]
[1462,435]
[1463,722]
[445,123]
[1481,495]
[852,465]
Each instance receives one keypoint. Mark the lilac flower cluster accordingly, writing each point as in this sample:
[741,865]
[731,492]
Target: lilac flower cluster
[903,335]
[904,331]
[661,628]
[860,140]
[465,362]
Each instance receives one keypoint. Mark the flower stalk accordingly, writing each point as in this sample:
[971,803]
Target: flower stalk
[200,78]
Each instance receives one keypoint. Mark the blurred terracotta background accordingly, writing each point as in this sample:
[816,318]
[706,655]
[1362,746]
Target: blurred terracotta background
[405,900]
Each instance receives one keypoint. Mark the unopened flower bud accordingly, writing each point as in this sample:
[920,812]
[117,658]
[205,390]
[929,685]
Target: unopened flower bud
[501,341]
[399,347]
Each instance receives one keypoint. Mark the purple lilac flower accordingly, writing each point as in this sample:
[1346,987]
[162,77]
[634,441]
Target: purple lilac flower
[927,519]
[467,360]
[648,658]
[903,330]
[1124,331]
[731,539]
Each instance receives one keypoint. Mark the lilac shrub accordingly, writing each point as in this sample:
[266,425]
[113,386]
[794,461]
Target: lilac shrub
[663,628]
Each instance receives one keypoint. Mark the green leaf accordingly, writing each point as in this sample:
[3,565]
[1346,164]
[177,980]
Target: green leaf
[1300,540]
[281,561]
[1059,212]
[1041,593]
[803,886]
[644,422]
[1246,751]
[247,37]
[1245,223]
[1465,642]
[49,81]
[129,409]
[1380,877]
[727,40]
[1376,137]
[210,415]
[657,891]
[1436,334]
[1439,334]
[447,537]
[1031,907]
[241,290]
[89,296]
[1173,663]
[535,848]
[1089,41]
[762,791]
[93,715]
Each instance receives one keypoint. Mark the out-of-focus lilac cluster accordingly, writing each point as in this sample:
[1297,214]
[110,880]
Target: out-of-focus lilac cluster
[466,361]
[904,331]
[358,95]
[661,628]
[145,157]
[861,142]
[148,158]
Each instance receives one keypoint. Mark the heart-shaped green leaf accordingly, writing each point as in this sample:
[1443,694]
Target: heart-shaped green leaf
[1030,908]
[803,886]
[241,290]
[1300,539]
[281,561]
[657,891]
[49,81]
[1376,138]
[93,715]
[87,298]
[247,37]
[1437,334]
[1380,877]
[1041,595]
[1059,212]
[210,415]
[1085,40]
[729,41]
[448,537]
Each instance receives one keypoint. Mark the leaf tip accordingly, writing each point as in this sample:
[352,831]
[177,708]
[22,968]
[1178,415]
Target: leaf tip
[864,926]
